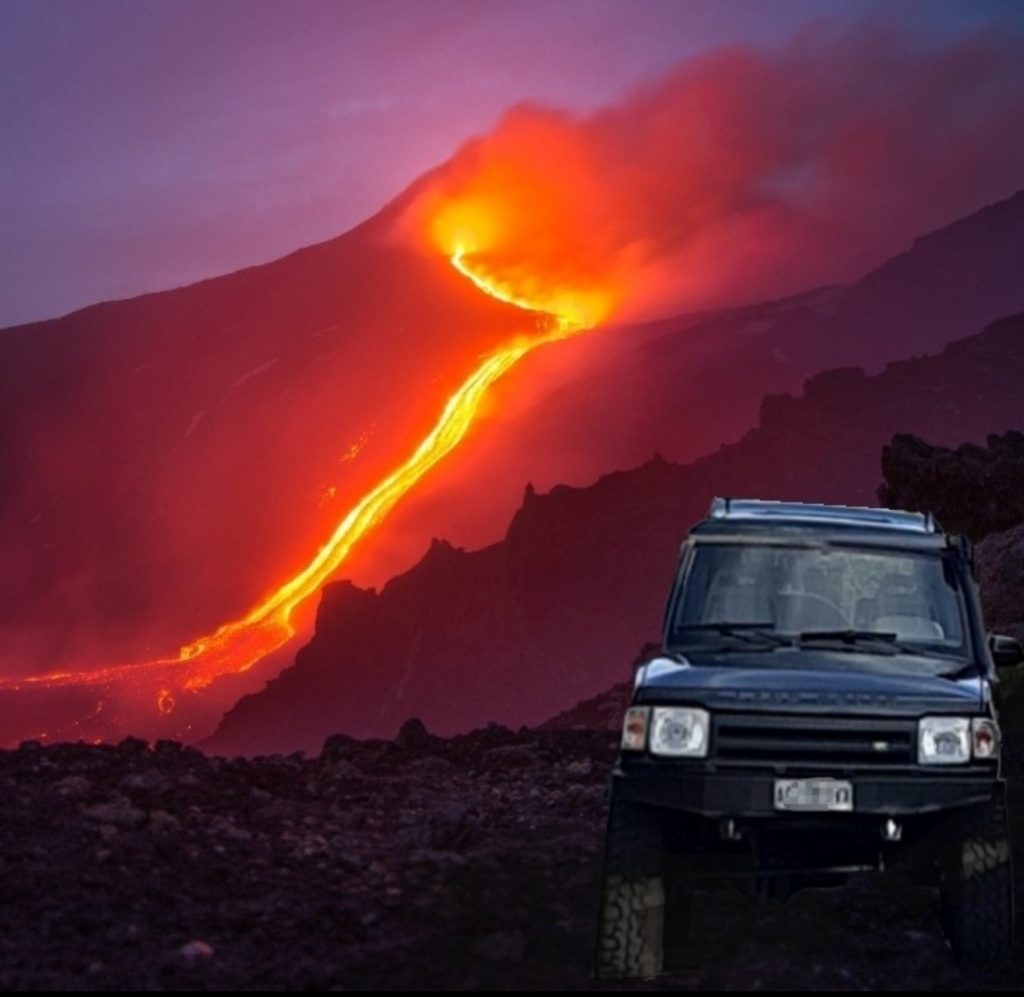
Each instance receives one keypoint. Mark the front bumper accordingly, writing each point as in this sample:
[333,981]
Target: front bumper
[717,793]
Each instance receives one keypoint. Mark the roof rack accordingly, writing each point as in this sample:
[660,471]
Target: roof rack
[839,515]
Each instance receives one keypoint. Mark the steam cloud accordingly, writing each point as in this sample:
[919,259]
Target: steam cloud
[744,174]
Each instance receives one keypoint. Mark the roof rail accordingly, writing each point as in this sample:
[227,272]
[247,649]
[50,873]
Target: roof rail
[840,515]
[719,508]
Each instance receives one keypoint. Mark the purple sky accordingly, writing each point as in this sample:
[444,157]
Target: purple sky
[147,144]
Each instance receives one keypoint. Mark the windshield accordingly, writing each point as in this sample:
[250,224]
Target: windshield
[863,598]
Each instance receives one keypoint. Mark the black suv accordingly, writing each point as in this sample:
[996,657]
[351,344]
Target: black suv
[822,704]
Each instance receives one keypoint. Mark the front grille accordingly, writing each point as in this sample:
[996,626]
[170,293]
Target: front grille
[812,742]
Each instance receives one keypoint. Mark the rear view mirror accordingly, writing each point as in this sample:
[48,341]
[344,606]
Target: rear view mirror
[1006,652]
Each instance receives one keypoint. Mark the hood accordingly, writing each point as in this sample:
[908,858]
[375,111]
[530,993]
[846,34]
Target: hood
[839,682]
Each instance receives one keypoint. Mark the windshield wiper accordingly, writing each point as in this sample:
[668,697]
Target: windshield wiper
[752,633]
[853,638]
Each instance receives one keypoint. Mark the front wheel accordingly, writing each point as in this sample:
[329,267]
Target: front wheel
[977,894]
[679,953]
[631,921]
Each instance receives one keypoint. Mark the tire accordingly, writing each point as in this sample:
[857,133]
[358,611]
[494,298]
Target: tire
[977,894]
[676,934]
[631,920]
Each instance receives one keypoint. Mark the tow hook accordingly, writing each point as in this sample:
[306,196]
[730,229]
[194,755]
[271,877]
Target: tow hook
[892,830]
[728,831]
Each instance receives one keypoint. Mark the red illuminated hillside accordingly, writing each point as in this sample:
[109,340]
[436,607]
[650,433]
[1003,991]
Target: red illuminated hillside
[181,473]
[206,442]
[683,387]
[165,458]
[557,610]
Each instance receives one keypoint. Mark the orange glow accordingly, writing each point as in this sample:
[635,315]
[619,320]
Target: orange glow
[237,645]
[571,308]
[356,449]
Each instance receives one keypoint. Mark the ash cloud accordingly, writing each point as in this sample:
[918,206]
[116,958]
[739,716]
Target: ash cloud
[745,174]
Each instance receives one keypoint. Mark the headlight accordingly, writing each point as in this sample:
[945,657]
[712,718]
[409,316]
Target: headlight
[679,731]
[944,741]
[634,728]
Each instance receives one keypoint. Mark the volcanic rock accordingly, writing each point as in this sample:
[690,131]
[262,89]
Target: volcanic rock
[281,873]
[973,489]
[1000,568]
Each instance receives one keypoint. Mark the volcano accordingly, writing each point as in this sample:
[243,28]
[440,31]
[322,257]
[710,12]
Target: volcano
[683,386]
[170,457]
[181,472]
[153,447]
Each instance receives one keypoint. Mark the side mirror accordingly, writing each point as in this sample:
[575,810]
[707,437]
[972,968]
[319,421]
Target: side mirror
[1006,652]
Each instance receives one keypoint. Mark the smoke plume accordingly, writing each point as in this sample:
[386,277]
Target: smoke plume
[745,174]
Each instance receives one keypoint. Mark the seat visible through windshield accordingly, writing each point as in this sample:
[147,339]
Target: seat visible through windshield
[804,589]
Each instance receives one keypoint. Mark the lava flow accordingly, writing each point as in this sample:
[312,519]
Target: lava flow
[236,646]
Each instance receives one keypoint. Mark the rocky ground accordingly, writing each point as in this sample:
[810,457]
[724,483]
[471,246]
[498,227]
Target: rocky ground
[417,863]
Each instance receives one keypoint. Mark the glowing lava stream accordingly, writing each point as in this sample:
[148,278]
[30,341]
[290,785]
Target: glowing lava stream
[238,645]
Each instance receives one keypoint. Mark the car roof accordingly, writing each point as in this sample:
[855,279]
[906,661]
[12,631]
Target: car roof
[808,521]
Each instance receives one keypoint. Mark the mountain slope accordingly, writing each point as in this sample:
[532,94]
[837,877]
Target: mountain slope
[556,611]
[683,387]
[163,458]
[166,460]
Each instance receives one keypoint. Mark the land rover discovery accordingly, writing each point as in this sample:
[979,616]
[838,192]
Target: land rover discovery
[822,704]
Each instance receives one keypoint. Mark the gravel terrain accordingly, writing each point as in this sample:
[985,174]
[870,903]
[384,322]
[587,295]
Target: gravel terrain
[416,863]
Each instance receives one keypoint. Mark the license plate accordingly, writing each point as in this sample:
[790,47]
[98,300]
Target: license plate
[814,794]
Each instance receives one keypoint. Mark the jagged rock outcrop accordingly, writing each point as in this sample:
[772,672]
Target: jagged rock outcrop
[554,614]
[1000,568]
[975,490]
[600,712]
